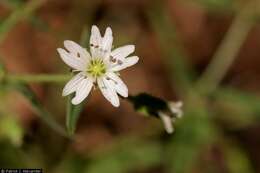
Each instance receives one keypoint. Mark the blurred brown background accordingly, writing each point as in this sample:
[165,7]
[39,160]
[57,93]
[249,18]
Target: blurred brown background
[29,47]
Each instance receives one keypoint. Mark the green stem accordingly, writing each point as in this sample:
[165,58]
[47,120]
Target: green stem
[37,78]
[17,15]
[228,50]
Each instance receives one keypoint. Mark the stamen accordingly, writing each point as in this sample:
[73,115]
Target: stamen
[96,68]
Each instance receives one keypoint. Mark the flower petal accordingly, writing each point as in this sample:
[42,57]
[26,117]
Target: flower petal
[108,92]
[107,40]
[71,60]
[77,50]
[167,122]
[83,90]
[95,41]
[122,52]
[126,63]
[95,37]
[72,85]
[118,84]
[176,108]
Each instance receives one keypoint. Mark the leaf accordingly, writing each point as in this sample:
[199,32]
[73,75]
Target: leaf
[72,115]
[38,108]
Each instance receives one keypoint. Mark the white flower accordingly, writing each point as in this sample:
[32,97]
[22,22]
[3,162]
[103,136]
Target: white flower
[168,118]
[98,68]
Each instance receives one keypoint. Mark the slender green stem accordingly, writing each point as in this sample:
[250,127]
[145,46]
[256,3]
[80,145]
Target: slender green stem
[228,50]
[38,78]
[19,14]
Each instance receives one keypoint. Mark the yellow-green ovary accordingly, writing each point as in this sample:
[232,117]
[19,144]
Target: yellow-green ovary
[96,68]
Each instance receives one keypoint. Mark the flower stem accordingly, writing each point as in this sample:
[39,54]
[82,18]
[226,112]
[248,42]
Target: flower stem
[37,78]
[228,50]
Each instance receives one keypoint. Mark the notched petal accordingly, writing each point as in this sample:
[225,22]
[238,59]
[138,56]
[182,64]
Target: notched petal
[83,91]
[126,63]
[71,60]
[108,92]
[122,52]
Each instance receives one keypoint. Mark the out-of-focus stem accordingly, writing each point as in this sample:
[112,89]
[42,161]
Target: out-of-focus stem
[228,50]
[19,14]
[37,78]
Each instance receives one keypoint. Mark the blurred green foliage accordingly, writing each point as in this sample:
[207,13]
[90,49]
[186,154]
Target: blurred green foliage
[217,5]
[200,128]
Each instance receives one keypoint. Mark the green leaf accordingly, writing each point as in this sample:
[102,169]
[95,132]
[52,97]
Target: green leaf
[72,116]
[38,108]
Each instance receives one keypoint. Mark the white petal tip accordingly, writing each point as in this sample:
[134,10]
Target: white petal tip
[176,108]
[167,122]
[75,102]
[170,131]
[67,41]
[132,47]
[109,30]
[94,28]
[59,50]
[116,105]
[124,94]
[65,93]
[136,59]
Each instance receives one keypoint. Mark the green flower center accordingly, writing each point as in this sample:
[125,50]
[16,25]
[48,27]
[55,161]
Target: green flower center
[96,68]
